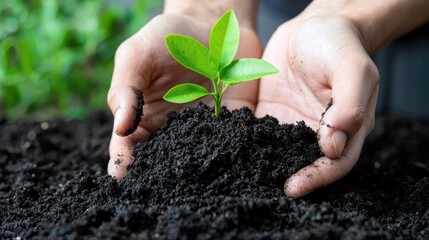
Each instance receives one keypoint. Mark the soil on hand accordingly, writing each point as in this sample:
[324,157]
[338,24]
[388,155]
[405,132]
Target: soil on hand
[203,178]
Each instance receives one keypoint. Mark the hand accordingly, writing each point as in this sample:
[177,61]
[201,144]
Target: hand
[321,58]
[144,66]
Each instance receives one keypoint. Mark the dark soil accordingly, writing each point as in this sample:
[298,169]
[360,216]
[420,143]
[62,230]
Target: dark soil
[200,178]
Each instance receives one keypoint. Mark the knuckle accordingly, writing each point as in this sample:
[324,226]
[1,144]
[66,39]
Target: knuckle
[158,19]
[372,71]
[369,70]
[371,125]
[363,65]
[357,115]
[110,99]
[124,50]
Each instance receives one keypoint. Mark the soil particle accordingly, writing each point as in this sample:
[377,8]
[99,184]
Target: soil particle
[322,121]
[238,155]
[203,178]
[331,102]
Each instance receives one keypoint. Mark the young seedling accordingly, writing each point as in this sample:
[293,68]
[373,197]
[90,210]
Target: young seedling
[216,63]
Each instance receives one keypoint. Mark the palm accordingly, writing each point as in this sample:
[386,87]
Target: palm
[319,60]
[158,72]
[301,91]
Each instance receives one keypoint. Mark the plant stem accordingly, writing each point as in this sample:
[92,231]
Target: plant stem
[217,97]
[217,108]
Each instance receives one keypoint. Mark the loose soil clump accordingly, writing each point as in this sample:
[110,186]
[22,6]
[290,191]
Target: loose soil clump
[203,178]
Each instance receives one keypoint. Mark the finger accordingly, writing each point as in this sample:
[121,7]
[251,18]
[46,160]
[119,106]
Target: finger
[131,76]
[353,82]
[121,151]
[325,171]
[126,104]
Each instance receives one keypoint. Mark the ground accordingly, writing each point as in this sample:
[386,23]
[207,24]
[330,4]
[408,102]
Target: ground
[202,178]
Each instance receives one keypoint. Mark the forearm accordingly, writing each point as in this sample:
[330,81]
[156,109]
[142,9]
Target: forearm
[379,22]
[211,10]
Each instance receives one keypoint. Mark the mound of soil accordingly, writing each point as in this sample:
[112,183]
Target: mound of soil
[202,178]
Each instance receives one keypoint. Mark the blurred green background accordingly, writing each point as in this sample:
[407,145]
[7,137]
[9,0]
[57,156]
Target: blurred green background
[56,56]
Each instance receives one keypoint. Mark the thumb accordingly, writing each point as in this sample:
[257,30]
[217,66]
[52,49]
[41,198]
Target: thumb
[126,104]
[353,84]
[125,98]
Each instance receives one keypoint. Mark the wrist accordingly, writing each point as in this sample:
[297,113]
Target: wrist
[211,10]
[377,22]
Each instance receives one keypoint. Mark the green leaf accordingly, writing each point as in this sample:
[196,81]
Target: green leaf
[192,55]
[224,38]
[186,92]
[246,69]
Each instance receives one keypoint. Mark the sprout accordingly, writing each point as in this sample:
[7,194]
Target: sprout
[216,63]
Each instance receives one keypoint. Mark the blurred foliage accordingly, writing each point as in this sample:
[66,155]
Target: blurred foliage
[56,56]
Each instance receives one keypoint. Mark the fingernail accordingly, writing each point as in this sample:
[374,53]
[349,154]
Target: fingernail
[339,139]
[118,118]
[290,188]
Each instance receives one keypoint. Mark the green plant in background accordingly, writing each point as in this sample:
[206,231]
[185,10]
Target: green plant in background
[56,57]
[215,63]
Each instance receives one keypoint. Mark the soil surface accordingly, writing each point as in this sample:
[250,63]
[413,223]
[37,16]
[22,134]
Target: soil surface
[202,178]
